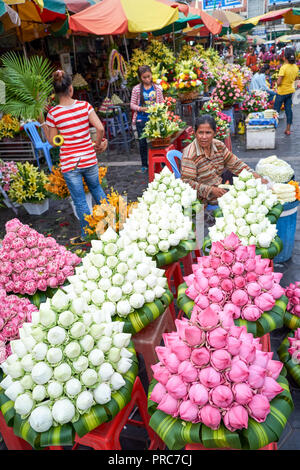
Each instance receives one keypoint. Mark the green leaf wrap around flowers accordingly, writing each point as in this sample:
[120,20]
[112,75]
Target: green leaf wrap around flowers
[292,368]
[274,249]
[269,321]
[176,433]
[176,253]
[291,321]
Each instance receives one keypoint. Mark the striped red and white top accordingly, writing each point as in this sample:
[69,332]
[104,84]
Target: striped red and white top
[73,124]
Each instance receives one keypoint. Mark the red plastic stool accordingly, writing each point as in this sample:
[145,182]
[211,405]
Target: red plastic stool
[187,262]
[107,436]
[174,275]
[272,264]
[272,446]
[197,254]
[12,441]
[147,339]
[157,156]
[266,342]
[186,134]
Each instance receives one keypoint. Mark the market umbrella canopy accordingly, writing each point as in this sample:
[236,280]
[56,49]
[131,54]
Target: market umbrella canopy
[255,40]
[122,16]
[227,17]
[290,15]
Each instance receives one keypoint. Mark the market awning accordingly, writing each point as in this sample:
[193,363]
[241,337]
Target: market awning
[226,17]
[122,16]
[290,15]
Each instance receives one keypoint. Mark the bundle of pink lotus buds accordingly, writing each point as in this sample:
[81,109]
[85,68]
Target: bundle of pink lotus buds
[14,311]
[30,262]
[212,371]
[235,278]
[293,294]
[294,349]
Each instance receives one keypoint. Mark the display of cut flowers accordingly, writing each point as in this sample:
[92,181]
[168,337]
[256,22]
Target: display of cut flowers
[9,127]
[222,120]
[214,376]
[28,184]
[245,207]
[289,354]
[227,93]
[292,315]
[277,170]
[79,82]
[159,77]
[14,311]
[159,124]
[57,185]
[65,362]
[7,170]
[31,262]
[186,78]
[256,101]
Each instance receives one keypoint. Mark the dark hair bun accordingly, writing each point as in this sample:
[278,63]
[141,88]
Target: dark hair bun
[62,82]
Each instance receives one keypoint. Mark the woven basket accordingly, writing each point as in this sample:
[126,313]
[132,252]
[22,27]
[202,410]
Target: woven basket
[161,142]
[189,96]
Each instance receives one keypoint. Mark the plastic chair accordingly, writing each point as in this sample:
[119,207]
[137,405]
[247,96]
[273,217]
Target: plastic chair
[156,157]
[38,144]
[171,155]
[107,436]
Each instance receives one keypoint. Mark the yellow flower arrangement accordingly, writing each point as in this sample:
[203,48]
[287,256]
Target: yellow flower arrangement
[9,126]
[28,184]
[110,213]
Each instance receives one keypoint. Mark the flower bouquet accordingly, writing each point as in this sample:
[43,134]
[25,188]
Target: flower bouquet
[14,311]
[71,370]
[31,262]
[292,314]
[222,120]
[7,170]
[187,83]
[234,278]
[214,385]
[9,127]
[227,93]
[289,354]
[159,77]
[159,129]
[256,101]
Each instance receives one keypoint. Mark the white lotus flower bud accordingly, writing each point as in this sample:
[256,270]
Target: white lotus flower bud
[54,355]
[56,335]
[98,260]
[96,357]
[63,411]
[105,371]
[84,401]
[158,291]
[55,390]
[104,343]
[124,365]
[78,329]
[39,393]
[29,342]
[66,319]
[89,377]
[91,286]
[108,308]
[117,381]
[27,382]
[114,355]
[79,306]
[81,364]
[121,340]
[136,301]
[63,372]
[7,382]
[105,272]
[127,288]
[73,387]
[102,394]
[104,284]
[41,373]
[97,246]
[131,276]
[87,343]
[118,279]
[98,297]
[123,308]
[27,363]
[112,262]
[139,286]
[41,419]
[59,302]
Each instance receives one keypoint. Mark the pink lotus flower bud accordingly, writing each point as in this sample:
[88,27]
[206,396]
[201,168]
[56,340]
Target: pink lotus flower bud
[223,272]
[271,388]
[198,394]
[172,362]
[160,373]
[194,336]
[208,318]
[237,268]
[208,272]
[221,396]
[182,351]
[241,253]
[227,258]
[226,319]
[169,405]
[233,310]
[236,418]
[205,261]
[217,338]
[257,376]
[239,282]
[237,331]
[216,308]
[214,263]
[42,285]
[250,265]
[251,277]
[201,284]
[210,378]
[176,387]
[191,292]
[202,301]
[210,416]
[239,372]
[231,242]
[162,353]
[216,249]
[52,282]
[251,313]
[254,289]
[247,352]
[214,281]
[277,277]
[6,268]
[277,291]
[13,225]
[265,302]
[251,251]
[266,281]
[259,408]
[181,326]
[233,345]
[240,298]
[188,412]
[200,357]
[227,285]
[242,393]
[274,368]
[187,372]
[261,359]
[31,263]
[215,295]
[220,359]
[261,266]
[158,393]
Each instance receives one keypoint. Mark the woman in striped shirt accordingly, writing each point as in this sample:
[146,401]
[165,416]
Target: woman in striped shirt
[72,119]
[206,161]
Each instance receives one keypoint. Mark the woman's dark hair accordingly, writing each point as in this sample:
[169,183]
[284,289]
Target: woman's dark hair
[206,119]
[141,70]
[62,82]
[264,68]
[289,54]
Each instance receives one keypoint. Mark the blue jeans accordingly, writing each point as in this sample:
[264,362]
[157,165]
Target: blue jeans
[288,101]
[271,95]
[142,143]
[74,182]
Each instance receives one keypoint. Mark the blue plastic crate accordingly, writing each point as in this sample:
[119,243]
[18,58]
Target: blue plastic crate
[286,226]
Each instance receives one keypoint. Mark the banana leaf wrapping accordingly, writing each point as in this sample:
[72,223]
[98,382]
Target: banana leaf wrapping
[142,317]
[64,435]
[291,366]
[274,249]
[40,297]
[273,215]
[176,433]
[176,253]
[269,321]
[291,321]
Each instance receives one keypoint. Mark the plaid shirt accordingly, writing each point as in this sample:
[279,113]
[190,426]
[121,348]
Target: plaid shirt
[202,172]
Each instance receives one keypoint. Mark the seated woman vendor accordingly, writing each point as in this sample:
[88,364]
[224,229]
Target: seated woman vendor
[205,161]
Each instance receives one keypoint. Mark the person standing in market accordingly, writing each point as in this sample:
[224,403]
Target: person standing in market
[259,82]
[251,60]
[207,162]
[145,94]
[229,57]
[72,119]
[288,74]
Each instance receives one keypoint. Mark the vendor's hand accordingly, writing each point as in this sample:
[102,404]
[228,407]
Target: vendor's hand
[263,180]
[100,147]
[144,109]
[218,192]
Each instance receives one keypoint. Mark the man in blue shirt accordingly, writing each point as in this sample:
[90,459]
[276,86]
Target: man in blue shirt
[258,82]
